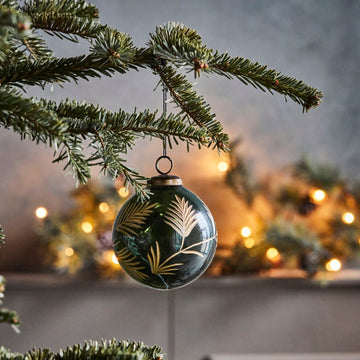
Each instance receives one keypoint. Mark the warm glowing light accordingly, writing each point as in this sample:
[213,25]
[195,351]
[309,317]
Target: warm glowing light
[348,217]
[223,166]
[104,207]
[123,192]
[69,251]
[272,253]
[245,231]
[249,243]
[359,241]
[114,259]
[333,265]
[318,195]
[86,227]
[41,212]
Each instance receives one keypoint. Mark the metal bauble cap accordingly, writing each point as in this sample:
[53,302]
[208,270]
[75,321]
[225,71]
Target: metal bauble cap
[165,180]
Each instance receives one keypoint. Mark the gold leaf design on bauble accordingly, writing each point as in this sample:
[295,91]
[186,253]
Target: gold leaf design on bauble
[160,269]
[131,264]
[133,217]
[181,217]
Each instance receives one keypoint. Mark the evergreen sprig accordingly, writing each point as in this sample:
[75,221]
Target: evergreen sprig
[183,47]
[323,176]
[79,8]
[91,350]
[66,26]
[193,106]
[2,235]
[6,315]
[26,60]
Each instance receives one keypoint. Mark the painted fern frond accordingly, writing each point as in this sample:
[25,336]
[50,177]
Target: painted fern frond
[192,252]
[133,217]
[160,269]
[181,217]
[130,263]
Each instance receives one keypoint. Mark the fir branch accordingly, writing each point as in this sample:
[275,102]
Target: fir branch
[110,43]
[79,8]
[263,78]
[37,47]
[323,176]
[9,317]
[193,105]
[28,118]
[9,3]
[10,17]
[92,350]
[2,236]
[66,26]
[178,44]
[183,47]
[83,118]
[291,239]
[59,70]
[43,125]
[112,52]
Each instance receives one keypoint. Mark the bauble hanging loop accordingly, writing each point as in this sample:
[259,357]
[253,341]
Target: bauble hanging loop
[168,241]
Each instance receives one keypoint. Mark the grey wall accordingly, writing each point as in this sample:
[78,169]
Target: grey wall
[224,316]
[316,41]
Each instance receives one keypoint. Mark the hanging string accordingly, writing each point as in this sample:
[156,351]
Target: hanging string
[165,90]
[164,155]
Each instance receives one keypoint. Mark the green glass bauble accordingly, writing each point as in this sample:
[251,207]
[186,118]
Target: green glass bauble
[169,240]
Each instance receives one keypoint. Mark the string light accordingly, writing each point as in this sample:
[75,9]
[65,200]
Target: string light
[104,207]
[123,192]
[249,243]
[245,232]
[110,259]
[348,217]
[69,251]
[223,166]
[41,212]
[333,265]
[273,254]
[318,195]
[114,259]
[86,227]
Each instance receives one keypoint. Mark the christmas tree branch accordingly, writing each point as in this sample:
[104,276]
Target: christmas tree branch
[7,316]
[92,350]
[10,17]
[261,77]
[183,47]
[37,47]
[2,235]
[193,105]
[36,122]
[79,8]
[66,26]
[83,118]
[26,60]
[59,70]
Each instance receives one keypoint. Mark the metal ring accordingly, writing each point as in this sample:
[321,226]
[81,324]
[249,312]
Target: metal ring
[157,165]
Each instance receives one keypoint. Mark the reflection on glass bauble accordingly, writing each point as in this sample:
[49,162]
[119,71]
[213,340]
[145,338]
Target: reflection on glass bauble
[167,241]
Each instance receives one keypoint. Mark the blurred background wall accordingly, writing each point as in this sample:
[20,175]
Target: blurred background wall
[317,42]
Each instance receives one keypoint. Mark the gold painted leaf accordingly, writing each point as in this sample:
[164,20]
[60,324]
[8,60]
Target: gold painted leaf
[131,264]
[133,217]
[193,252]
[160,269]
[181,216]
